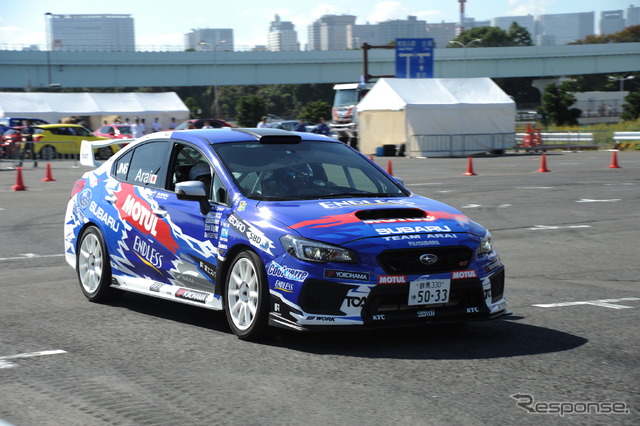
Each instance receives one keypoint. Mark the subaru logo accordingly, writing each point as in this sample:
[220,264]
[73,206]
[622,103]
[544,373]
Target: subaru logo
[428,259]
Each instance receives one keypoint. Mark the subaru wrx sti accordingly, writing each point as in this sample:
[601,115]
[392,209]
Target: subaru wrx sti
[278,229]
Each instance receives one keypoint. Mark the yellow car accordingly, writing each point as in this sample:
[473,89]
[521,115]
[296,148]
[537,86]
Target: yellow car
[53,139]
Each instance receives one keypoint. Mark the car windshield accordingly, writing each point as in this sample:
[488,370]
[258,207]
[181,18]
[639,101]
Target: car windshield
[307,170]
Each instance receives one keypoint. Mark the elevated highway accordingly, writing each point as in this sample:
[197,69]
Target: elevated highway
[35,70]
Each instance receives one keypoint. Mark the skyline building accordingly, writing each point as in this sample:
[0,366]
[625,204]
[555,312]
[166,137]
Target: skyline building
[282,36]
[90,32]
[329,32]
[565,28]
[209,39]
[611,21]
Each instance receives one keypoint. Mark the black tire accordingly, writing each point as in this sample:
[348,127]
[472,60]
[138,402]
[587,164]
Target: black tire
[105,153]
[247,297]
[93,267]
[48,152]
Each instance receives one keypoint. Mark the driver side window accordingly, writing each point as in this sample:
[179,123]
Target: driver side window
[190,164]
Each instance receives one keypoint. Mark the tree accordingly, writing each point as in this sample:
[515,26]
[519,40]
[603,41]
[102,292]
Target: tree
[192,105]
[520,36]
[631,107]
[250,110]
[314,110]
[628,35]
[490,36]
[556,105]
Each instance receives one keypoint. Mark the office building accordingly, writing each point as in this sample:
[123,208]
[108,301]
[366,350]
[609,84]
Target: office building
[504,22]
[282,36]
[108,32]
[402,28]
[611,21]
[220,39]
[442,33]
[567,27]
[633,16]
[329,32]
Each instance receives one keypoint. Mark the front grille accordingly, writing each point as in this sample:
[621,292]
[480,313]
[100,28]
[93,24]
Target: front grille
[497,286]
[323,297]
[407,262]
[386,299]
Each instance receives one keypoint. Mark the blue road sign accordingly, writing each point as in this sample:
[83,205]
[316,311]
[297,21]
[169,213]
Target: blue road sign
[414,58]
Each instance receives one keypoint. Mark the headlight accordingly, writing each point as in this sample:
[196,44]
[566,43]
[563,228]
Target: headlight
[315,251]
[485,245]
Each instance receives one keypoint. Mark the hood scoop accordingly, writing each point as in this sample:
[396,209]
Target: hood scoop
[386,214]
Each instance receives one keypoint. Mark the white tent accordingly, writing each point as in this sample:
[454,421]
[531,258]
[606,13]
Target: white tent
[53,107]
[436,117]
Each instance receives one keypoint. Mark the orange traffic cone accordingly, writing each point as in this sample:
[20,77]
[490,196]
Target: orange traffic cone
[48,177]
[389,167]
[469,171]
[614,160]
[19,186]
[543,164]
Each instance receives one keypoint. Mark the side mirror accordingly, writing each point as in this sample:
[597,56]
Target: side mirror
[194,190]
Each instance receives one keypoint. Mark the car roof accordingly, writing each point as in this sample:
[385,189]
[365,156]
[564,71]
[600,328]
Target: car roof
[265,135]
[53,126]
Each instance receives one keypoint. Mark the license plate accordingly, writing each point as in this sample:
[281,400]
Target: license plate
[429,292]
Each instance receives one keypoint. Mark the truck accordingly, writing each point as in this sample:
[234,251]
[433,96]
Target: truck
[344,114]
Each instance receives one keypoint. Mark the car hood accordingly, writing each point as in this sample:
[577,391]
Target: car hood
[340,221]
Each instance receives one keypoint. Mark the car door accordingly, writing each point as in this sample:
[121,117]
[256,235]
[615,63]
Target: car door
[197,234]
[147,245]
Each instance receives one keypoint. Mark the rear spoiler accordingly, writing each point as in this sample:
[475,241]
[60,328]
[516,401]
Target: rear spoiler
[87,154]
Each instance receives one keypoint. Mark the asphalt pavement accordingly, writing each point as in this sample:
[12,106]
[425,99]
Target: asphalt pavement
[569,354]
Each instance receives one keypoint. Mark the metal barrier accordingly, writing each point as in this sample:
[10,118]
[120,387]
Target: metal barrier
[21,152]
[459,145]
[542,141]
[626,140]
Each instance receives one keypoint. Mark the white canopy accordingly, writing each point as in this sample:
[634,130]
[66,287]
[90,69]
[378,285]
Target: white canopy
[421,112]
[53,107]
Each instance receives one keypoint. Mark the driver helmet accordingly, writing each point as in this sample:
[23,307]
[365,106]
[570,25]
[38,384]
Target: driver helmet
[199,172]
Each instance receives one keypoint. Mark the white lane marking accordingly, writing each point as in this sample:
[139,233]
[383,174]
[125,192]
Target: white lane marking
[538,227]
[475,206]
[537,187]
[587,200]
[604,303]
[619,184]
[30,256]
[4,363]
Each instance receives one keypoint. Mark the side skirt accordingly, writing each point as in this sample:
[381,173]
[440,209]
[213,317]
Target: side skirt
[169,292]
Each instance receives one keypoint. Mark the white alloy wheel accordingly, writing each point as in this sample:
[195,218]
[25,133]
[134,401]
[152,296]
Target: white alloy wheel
[90,261]
[246,296]
[92,265]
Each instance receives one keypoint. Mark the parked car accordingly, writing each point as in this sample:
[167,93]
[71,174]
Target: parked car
[114,131]
[199,122]
[53,139]
[290,125]
[7,122]
[10,142]
[291,230]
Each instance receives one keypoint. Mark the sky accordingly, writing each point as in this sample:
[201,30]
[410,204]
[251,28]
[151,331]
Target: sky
[164,22]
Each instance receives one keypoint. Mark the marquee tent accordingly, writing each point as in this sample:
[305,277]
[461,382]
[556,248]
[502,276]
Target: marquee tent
[436,117]
[54,107]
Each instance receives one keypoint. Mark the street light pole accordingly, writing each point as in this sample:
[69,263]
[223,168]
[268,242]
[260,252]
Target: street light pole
[47,25]
[621,80]
[215,75]
[464,46]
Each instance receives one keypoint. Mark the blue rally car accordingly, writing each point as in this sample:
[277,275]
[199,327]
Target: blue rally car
[276,228]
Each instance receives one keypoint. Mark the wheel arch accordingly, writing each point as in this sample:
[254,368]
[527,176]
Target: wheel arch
[223,270]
